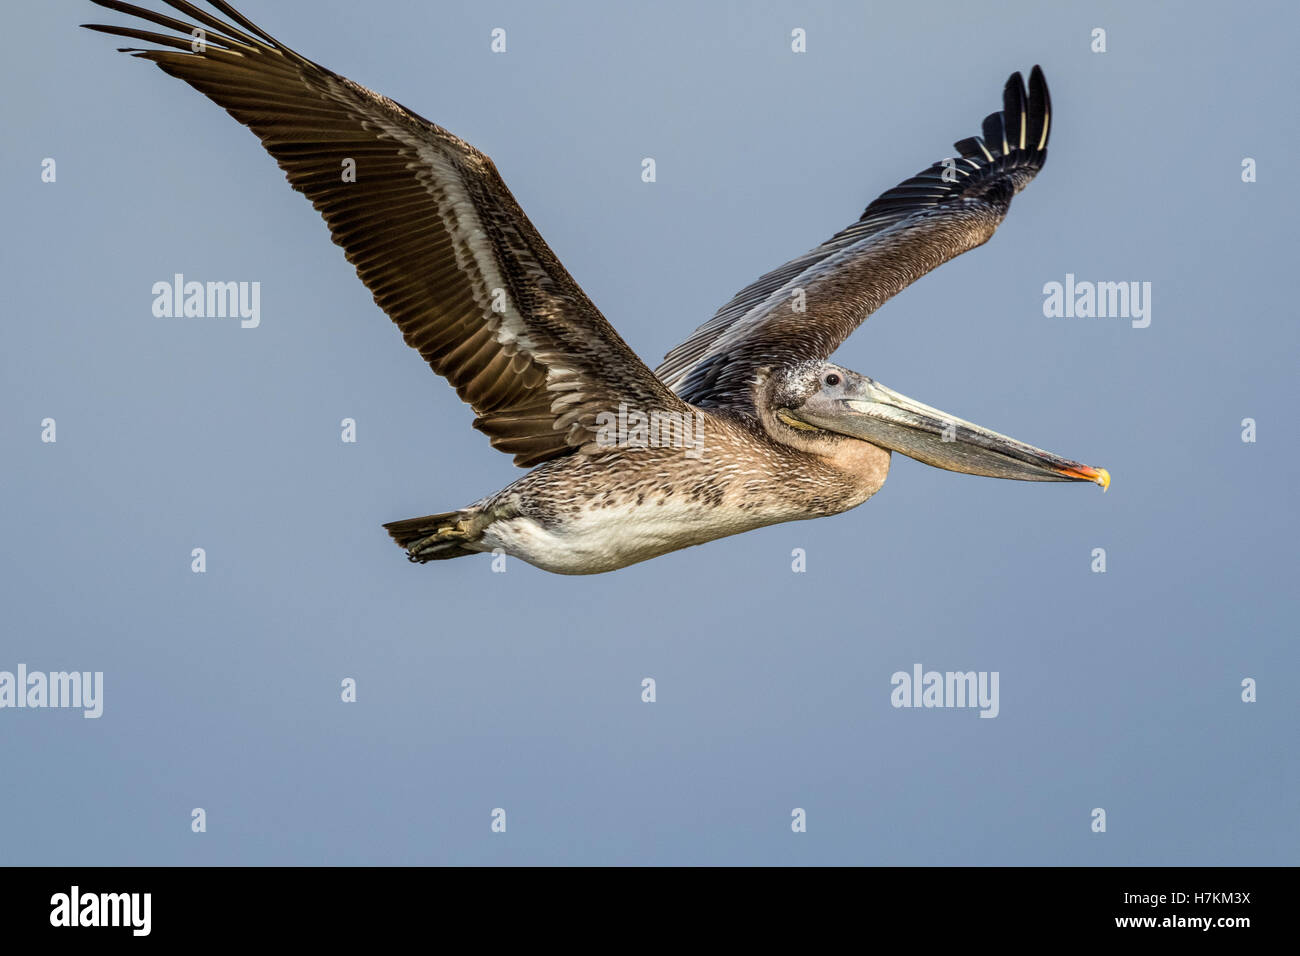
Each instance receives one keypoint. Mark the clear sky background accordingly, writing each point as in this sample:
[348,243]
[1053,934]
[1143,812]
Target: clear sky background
[522,690]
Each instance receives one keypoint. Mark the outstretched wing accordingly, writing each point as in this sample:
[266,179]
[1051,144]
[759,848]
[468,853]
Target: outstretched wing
[431,228]
[921,223]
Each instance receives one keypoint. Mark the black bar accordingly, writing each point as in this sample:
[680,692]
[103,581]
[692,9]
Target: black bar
[375,904]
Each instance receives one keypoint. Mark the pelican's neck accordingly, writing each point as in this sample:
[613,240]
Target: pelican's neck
[855,468]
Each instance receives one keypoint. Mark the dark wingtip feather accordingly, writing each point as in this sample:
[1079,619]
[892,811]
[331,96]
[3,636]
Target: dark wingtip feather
[1013,110]
[1040,109]
[972,147]
[185,45]
[994,133]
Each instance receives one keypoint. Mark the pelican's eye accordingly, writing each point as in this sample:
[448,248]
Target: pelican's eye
[831,379]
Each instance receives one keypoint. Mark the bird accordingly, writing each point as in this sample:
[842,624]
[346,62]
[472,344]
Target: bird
[745,424]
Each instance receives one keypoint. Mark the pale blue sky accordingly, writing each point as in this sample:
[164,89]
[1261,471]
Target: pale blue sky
[522,690]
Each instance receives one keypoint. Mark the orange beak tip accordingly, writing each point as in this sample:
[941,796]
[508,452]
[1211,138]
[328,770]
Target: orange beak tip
[1098,476]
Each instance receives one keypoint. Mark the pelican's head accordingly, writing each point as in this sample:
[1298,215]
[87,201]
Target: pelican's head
[821,397]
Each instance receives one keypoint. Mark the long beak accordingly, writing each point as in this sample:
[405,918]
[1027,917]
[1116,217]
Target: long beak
[883,417]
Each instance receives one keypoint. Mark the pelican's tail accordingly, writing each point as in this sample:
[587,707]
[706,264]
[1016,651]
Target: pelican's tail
[436,537]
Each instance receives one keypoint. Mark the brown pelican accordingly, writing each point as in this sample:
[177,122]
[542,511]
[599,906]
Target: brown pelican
[747,423]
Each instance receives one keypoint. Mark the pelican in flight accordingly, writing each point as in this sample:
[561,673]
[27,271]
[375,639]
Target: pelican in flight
[745,424]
